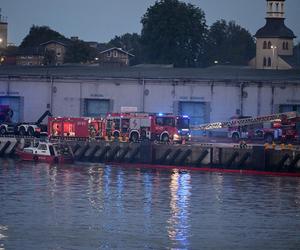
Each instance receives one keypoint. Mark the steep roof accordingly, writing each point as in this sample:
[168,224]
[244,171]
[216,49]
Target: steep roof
[61,42]
[275,28]
[119,49]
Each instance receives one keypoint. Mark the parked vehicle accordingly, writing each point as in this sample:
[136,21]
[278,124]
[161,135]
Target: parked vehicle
[291,129]
[269,127]
[139,126]
[74,127]
[30,129]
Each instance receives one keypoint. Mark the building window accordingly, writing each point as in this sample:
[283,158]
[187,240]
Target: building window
[115,53]
[108,54]
[283,45]
[265,62]
[265,45]
[269,45]
[277,7]
[286,45]
[269,62]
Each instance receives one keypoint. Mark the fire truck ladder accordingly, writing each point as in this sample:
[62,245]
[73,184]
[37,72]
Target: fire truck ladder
[245,121]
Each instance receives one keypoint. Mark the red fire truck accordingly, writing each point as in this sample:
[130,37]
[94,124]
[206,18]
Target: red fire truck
[285,128]
[74,127]
[137,126]
[281,126]
[291,129]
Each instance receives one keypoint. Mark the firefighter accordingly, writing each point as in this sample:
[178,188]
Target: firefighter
[277,131]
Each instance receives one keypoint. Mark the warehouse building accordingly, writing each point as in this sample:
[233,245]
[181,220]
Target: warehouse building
[206,95]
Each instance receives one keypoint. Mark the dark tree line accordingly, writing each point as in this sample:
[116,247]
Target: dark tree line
[173,32]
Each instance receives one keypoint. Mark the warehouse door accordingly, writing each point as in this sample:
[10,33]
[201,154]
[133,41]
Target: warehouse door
[14,104]
[195,110]
[96,107]
[288,108]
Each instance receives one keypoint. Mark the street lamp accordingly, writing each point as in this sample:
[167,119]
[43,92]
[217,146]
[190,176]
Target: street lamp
[273,49]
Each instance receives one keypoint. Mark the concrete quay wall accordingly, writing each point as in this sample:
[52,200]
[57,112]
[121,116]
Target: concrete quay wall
[213,155]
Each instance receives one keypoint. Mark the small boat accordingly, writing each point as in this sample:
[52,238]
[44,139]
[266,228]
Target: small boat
[47,152]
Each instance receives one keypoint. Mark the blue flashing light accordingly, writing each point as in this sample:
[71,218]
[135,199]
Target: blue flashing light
[185,116]
[160,114]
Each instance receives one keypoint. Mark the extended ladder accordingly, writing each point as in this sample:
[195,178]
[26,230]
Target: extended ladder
[245,121]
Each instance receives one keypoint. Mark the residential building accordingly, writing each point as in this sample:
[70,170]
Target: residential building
[59,48]
[114,57]
[33,56]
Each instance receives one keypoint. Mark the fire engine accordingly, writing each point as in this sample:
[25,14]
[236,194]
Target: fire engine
[74,127]
[291,129]
[139,126]
[279,126]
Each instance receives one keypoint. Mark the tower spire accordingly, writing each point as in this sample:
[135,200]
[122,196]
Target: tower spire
[275,9]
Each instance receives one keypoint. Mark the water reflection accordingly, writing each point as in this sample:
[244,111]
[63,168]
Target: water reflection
[3,236]
[92,206]
[179,222]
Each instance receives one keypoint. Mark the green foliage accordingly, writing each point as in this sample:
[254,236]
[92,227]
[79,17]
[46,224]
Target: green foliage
[229,44]
[49,57]
[79,52]
[9,50]
[40,34]
[174,33]
[130,43]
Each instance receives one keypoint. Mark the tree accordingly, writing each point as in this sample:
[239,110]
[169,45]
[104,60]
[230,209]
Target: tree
[297,53]
[79,52]
[40,34]
[130,43]
[229,44]
[49,57]
[174,33]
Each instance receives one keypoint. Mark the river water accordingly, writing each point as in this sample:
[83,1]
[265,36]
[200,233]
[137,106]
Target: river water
[86,206]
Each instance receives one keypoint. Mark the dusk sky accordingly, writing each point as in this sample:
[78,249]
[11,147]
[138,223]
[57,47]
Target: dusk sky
[101,20]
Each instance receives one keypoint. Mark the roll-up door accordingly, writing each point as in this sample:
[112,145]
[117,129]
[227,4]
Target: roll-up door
[96,107]
[14,104]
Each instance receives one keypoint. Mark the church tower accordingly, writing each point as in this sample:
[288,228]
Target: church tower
[274,41]
[3,32]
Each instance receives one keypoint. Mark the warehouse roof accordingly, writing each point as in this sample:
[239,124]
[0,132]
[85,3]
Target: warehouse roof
[94,72]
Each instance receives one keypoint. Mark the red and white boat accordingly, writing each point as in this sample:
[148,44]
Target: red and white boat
[47,152]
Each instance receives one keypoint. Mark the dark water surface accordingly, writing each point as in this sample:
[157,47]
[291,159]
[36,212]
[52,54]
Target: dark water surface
[107,207]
